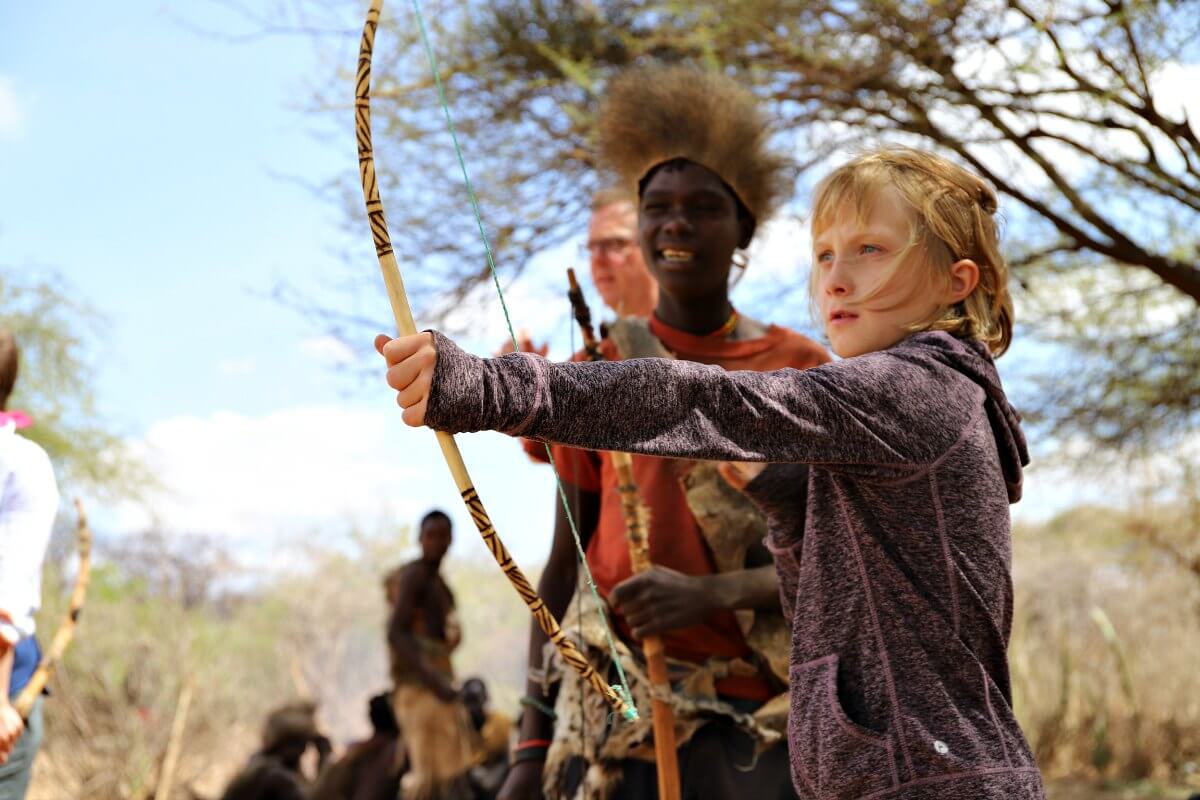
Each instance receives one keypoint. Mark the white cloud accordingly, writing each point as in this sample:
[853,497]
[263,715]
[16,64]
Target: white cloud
[1050,489]
[237,367]
[12,111]
[327,350]
[288,471]
[318,470]
[1079,474]
[1174,88]
[315,472]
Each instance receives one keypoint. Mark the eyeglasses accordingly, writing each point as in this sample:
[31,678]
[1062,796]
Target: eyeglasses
[615,245]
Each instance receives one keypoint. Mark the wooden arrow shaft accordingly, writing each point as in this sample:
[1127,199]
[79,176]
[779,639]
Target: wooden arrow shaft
[637,534]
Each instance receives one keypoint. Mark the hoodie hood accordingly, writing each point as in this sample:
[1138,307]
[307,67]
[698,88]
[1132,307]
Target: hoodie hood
[971,358]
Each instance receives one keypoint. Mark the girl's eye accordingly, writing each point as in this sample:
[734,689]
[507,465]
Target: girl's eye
[824,257]
[869,249]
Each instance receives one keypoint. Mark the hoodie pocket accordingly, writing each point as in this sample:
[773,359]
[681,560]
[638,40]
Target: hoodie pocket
[832,756]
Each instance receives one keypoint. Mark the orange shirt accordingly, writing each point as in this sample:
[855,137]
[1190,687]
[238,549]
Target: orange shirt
[676,541]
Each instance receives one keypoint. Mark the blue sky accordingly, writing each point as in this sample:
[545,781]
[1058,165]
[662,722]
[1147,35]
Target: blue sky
[143,171]
[147,164]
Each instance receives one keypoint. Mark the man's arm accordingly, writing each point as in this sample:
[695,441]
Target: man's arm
[755,588]
[661,600]
[556,587]
[404,646]
[559,577]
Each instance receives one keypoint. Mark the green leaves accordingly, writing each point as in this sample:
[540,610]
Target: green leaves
[61,354]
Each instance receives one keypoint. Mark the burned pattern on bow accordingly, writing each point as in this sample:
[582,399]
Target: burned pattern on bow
[617,696]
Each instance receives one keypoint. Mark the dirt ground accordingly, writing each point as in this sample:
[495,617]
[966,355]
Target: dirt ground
[1078,790]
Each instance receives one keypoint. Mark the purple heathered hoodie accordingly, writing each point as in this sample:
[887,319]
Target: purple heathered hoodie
[893,551]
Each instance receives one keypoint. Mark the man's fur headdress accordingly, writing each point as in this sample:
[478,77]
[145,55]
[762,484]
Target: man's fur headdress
[654,115]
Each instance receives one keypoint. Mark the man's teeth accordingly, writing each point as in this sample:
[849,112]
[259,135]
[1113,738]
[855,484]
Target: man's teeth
[677,255]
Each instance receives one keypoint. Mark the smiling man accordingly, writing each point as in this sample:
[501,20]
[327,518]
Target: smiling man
[712,596]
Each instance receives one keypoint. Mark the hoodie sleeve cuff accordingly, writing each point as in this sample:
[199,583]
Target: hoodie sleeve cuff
[474,394]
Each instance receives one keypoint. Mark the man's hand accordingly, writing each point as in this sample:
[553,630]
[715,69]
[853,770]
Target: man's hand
[524,344]
[524,782]
[660,600]
[11,728]
[739,474]
[410,361]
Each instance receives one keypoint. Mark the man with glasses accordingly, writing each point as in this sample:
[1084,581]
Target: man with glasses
[618,272]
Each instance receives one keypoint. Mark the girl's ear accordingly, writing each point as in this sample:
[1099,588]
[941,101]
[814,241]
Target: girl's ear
[747,225]
[964,277]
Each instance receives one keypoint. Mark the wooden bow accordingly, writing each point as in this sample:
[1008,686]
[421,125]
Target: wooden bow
[404,323]
[66,630]
[637,533]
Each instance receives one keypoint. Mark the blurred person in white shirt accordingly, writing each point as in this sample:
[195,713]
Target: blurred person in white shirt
[28,505]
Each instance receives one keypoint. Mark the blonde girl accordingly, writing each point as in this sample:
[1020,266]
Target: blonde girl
[894,551]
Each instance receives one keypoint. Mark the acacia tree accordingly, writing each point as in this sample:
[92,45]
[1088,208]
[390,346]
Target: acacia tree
[56,335]
[1062,104]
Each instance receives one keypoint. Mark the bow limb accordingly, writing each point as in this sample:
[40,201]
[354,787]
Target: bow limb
[637,534]
[404,322]
[66,630]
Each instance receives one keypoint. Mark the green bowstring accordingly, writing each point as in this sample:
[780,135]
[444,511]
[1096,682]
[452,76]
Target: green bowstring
[622,690]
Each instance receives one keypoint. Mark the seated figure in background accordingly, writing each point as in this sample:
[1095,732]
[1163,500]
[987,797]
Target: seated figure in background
[274,773]
[370,769]
[493,730]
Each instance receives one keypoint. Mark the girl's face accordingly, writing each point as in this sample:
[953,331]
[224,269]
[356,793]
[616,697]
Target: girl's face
[868,300]
[688,228]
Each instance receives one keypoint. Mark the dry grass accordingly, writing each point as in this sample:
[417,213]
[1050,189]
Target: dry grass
[1105,642]
[1106,637]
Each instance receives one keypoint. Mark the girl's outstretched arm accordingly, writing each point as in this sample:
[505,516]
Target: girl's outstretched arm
[862,412]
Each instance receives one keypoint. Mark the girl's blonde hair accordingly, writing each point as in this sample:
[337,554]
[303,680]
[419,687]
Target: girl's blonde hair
[953,217]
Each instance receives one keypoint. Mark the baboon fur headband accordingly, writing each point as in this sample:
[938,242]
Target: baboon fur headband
[654,115]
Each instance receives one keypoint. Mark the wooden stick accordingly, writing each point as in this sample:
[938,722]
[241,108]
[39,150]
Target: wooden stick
[637,534]
[166,777]
[407,327]
[66,630]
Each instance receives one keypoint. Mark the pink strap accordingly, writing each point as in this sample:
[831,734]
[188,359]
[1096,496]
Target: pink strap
[18,418]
